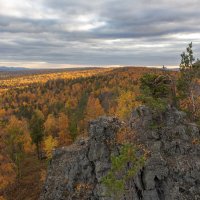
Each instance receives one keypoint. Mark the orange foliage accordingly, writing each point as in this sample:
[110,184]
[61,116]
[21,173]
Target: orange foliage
[50,125]
[7,167]
[94,108]
[124,136]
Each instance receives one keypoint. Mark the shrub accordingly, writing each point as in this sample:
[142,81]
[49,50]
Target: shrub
[124,166]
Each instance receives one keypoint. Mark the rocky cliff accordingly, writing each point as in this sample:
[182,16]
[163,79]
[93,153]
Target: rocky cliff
[172,171]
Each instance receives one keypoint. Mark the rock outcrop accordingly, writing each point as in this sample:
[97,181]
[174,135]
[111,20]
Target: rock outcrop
[76,171]
[172,171]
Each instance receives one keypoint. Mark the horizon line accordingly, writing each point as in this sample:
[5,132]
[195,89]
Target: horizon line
[68,66]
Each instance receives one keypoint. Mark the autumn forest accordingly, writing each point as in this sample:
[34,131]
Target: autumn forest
[42,111]
[45,110]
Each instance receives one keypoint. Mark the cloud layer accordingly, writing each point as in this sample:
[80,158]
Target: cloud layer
[106,32]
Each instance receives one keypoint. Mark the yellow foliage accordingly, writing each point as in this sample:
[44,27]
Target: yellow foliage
[49,144]
[126,103]
[17,132]
[24,81]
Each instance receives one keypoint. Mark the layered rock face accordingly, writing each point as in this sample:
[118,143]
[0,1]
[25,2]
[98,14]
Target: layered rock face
[172,171]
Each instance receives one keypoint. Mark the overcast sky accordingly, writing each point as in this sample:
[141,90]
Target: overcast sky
[52,33]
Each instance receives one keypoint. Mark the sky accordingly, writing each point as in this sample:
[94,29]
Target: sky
[63,33]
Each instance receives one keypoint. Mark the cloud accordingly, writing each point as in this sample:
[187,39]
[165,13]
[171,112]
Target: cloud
[145,32]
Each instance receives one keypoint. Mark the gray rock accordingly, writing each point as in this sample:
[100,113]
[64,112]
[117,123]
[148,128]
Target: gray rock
[172,171]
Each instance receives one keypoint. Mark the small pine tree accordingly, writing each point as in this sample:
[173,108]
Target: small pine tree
[37,130]
[189,72]
[124,167]
[155,91]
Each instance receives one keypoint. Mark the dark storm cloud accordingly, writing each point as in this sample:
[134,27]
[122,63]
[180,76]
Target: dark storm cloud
[145,32]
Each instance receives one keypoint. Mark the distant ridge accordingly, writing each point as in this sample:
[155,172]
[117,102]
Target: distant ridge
[6,69]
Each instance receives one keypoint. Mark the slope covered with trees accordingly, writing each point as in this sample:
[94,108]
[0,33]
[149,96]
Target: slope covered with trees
[38,116]
[43,111]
